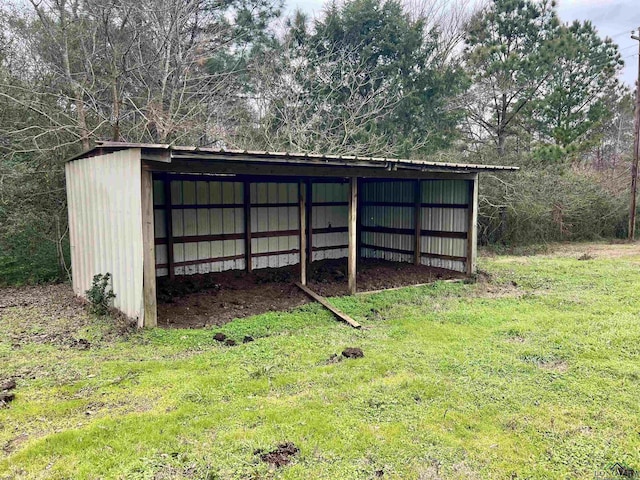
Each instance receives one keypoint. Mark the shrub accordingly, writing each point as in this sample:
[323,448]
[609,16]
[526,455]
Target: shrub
[539,205]
[100,294]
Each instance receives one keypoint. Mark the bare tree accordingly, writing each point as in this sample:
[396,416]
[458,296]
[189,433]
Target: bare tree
[295,108]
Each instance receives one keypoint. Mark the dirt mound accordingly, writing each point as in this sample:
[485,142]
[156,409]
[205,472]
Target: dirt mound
[219,337]
[80,344]
[6,395]
[352,352]
[280,456]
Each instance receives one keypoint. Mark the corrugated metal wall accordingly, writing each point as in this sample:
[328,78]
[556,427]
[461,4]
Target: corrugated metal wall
[208,222]
[274,208]
[453,218]
[105,225]
[208,225]
[388,221]
[329,220]
[379,218]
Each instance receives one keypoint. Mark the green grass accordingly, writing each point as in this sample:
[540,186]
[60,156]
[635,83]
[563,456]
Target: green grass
[535,374]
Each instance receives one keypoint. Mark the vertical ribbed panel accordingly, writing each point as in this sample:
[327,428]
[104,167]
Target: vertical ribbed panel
[442,219]
[330,216]
[105,225]
[388,216]
[201,220]
[274,219]
[275,209]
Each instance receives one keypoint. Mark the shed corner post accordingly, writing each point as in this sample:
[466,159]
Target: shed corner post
[150,315]
[417,219]
[168,222]
[353,240]
[302,211]
[472,226]
[246,201]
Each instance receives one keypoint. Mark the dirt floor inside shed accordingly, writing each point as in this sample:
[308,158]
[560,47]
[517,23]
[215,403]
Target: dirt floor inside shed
[217,298]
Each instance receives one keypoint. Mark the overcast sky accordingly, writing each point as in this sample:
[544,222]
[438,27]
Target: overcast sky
[613,18]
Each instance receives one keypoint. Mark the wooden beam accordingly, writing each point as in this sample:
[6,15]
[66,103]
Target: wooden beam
[253,171]
[168,224]
[411,231]
[411,252]
[309,219]
[247,225]
[150,309]
[472,226]
[359,223]
[322,301]
[302,211]
[353,236]
[417,219]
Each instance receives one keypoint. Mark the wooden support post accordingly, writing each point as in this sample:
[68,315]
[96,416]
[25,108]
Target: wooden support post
[246,186]
[353,240]
[150,316]
[168,224]
[417,220]
[302,208]
[359,224]
[472,226]
[309,222]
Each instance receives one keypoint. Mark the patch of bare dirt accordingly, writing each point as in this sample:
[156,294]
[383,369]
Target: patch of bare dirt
[352,352]
[58,299]
[6,392]
[279,457]
[14,443]
[559,366]
[488,288]
[48,314]
[217,298]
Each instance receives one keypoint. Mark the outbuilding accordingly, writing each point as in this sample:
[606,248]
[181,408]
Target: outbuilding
[143,211]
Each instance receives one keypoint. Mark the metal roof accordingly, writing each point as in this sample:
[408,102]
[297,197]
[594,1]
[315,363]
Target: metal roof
[203,153]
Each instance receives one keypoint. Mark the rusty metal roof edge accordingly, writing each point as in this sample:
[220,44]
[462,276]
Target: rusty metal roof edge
[301,156]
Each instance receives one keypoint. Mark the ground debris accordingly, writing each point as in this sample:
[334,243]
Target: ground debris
[80,344]
[219,337]
[229,342]
[6,395]
[280,456]
[8,385]
[247,339]
[623,470]
[586,256]
[333,358]
[352,352]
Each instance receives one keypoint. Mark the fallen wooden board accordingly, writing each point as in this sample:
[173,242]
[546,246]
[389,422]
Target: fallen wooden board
[451,280]
[323,301]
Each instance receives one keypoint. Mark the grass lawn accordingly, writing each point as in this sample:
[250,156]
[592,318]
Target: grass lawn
[534,373]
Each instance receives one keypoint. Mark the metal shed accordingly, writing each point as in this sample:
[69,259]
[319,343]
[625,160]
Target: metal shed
[142,211]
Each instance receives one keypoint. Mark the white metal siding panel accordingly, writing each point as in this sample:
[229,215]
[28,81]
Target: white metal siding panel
[330,216]
[444,220]
[105,225]
[389,217]
[204,221]
[201,221]
[272,219]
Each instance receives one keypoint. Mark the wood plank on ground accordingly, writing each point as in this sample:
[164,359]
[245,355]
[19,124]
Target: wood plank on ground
[323,301]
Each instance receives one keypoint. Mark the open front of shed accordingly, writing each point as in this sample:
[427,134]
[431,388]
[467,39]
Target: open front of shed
[146,212]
